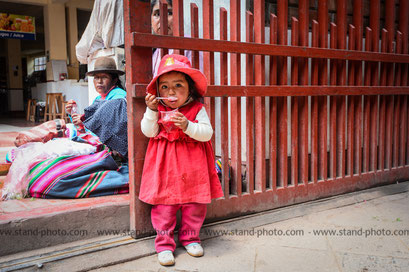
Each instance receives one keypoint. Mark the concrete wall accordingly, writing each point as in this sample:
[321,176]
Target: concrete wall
[71,89]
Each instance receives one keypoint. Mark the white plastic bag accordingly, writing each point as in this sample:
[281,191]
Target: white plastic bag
[15,184]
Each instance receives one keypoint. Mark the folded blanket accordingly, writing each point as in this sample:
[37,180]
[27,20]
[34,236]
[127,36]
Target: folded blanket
[78,177]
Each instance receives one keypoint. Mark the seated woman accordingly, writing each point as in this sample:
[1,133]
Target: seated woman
[106,117]
[61,168]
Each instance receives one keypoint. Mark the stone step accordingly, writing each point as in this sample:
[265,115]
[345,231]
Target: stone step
[28,224]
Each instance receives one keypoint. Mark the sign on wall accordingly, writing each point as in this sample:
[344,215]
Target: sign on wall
[17,27]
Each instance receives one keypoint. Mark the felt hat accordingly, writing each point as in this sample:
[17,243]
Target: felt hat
[105,65]
[179,63]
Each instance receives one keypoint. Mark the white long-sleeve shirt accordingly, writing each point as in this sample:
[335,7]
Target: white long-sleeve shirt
[201,131]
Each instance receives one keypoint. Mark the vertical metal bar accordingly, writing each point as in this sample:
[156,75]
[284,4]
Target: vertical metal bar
[404,24]
[235,103]
[374,22]
[194,24]
[341,100]
[397,142]
[273,107]
[382,107]
[396,131]
[282,167]
[208,59]
[333,107]
[389,23]
[303,13]
[249,108]
[294,107]
[351,107]
[404,130]
[224,108]
[398,66]
[374,100]
[163,11]
[138,70]
[322,100]
[314,107]
[403,28]
[178,27]
[367,104]
[404,133]
[358,134]
[389,125]
[260,179]
[358,23]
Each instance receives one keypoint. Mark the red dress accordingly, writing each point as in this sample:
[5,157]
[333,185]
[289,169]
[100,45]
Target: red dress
[179,169]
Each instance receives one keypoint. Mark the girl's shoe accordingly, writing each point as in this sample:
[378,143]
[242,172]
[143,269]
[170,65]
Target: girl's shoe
[194,249]
[166,258]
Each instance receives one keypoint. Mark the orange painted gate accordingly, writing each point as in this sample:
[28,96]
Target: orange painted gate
[327,115]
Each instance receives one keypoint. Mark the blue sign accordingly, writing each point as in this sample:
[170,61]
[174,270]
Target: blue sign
[17,35]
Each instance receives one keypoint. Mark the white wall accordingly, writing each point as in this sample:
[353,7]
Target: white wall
[70,89]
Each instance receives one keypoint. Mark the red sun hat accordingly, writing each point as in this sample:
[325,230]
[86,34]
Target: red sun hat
[179,63]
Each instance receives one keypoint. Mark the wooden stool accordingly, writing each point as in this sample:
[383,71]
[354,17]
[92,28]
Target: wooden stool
[64,113]
[31,110]
[53,106]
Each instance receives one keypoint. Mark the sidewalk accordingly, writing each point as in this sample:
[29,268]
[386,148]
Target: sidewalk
[265,250]
[359,236]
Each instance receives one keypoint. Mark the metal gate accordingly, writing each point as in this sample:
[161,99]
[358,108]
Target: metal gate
[337,102]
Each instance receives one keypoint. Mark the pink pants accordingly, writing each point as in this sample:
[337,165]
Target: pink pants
[164,221]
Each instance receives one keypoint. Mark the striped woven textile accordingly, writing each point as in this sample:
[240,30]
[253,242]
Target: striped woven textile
[78,176]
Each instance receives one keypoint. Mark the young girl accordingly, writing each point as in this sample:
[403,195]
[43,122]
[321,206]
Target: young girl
[179,171]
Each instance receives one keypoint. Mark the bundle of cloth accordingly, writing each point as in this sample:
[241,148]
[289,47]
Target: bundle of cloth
[54,160]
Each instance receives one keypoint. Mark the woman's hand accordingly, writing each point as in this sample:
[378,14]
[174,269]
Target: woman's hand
[68,107]
[151,102]
[76,119]
[180,121]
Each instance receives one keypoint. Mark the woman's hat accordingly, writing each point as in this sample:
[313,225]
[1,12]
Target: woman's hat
[105,65]
[179,63]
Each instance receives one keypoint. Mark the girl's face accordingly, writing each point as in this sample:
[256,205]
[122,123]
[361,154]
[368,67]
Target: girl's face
[155,19]
[173,85]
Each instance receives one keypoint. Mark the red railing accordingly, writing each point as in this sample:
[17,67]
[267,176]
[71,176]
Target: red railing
[337,117]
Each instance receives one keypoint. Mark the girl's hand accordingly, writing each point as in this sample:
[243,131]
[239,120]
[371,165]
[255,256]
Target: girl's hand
[180,121]
[76,119]
[151,102]
[69,105]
